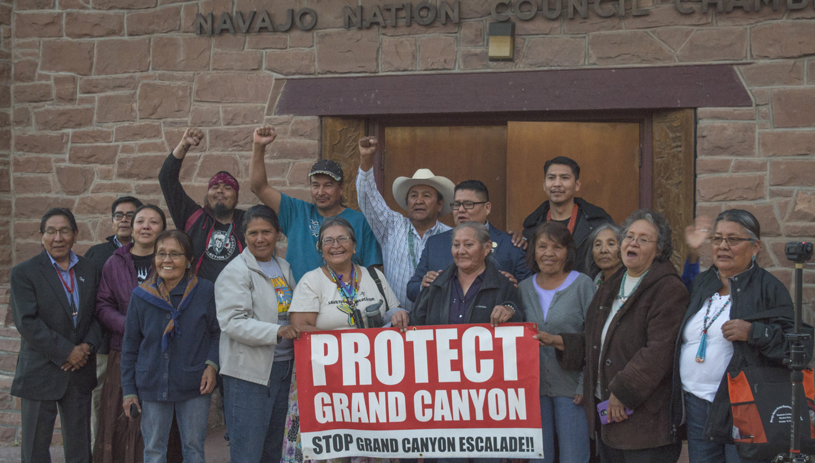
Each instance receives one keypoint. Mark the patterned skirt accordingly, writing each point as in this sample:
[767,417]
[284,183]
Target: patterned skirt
[119,438]
[292,448]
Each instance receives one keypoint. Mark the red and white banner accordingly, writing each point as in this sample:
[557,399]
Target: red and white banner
[440,391]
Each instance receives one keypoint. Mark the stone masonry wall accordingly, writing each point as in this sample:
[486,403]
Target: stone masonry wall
[97,92]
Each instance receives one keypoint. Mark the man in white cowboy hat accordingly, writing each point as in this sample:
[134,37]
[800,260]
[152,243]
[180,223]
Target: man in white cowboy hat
[424,196]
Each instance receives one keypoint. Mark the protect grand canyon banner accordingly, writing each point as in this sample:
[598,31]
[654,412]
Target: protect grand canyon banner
[432,392]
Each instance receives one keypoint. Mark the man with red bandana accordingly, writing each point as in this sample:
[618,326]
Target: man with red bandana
[215,227]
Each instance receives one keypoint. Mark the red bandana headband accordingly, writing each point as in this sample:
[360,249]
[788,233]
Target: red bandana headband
[226,179]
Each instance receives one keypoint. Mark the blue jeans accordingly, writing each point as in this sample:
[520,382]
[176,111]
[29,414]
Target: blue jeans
[560,416]
[256,415]
[701,450]
[191,415]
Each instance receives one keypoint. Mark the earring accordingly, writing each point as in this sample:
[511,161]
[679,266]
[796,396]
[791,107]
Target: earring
[754,257]
[188,265]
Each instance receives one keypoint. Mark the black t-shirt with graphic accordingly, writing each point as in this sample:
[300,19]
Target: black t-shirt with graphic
[222,246]
[143,265]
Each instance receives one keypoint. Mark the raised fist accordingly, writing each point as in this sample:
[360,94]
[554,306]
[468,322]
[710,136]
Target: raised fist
[192,137]
[367,146]
[264,135]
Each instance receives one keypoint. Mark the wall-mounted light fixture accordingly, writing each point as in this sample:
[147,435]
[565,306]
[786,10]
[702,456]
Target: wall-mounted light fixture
[501,40]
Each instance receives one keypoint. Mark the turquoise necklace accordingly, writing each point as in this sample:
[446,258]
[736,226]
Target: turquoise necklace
[622,296]
[706,324]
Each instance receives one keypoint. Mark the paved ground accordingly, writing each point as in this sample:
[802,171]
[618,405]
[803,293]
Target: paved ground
[217,450]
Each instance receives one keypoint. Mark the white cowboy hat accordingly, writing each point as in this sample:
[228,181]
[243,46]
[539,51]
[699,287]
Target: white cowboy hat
[443,185]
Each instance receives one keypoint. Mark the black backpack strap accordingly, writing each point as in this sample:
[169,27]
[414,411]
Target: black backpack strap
[375,276]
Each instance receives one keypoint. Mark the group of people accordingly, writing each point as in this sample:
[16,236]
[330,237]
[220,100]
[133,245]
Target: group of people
[160,317]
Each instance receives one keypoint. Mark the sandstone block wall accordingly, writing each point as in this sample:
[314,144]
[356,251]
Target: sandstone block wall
[95,93]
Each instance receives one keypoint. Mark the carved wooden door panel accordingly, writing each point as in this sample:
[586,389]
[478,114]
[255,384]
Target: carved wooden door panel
[608,155]
[458,153]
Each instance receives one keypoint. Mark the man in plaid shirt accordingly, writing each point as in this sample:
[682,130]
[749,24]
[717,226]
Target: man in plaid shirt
[402,238]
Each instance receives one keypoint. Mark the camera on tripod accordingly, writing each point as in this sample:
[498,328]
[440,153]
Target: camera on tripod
[798,251]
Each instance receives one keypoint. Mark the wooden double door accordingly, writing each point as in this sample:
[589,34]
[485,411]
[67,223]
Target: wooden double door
[509,159]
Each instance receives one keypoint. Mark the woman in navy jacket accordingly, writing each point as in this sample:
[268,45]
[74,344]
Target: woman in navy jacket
[170,351]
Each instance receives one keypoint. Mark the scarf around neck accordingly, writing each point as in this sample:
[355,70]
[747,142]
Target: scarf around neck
[154,291]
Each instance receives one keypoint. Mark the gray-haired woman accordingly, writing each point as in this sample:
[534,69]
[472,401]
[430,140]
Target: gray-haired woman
[471,290]
[604,259]
[628,347]
[722,331]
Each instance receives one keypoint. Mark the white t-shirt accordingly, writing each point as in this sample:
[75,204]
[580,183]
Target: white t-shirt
[315,292]
[703,379]
[629,284]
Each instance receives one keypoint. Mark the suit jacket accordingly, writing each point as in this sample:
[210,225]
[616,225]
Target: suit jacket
[42,315]
[437,255]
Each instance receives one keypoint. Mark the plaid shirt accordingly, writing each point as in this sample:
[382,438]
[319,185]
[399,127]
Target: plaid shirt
[392,230]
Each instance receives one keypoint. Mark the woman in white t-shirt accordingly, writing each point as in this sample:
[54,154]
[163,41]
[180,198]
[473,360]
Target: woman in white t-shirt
[335,296]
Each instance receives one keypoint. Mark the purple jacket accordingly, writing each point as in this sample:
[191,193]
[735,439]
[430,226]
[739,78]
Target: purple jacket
[118,282]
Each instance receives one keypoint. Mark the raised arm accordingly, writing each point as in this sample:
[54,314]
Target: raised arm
[371,202]
[262,137]
[181,206]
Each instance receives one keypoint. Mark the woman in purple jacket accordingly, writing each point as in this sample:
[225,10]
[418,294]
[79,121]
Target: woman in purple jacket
[119,438]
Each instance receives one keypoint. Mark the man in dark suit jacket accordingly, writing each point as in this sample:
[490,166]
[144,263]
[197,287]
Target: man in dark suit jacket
[471,203]
[52,299]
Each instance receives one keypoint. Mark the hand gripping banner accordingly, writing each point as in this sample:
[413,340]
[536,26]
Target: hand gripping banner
[433,392]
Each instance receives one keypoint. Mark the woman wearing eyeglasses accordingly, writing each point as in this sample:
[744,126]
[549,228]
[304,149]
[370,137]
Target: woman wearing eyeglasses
[119,439]
[628,347]
[715,338]
[170,351]
[326,298]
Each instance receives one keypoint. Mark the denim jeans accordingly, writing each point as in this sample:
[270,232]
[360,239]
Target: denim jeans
[701,450]
[191,415]
[256,415]
[562,418]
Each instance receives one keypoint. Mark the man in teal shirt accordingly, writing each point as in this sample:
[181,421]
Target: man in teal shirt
[300,221]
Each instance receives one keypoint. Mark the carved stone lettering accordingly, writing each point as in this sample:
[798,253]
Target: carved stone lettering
[582,7]
[305,24]
[243,24]
[264,22]
[453,15]
[225,23]
[351,18]
[203,24]
[428,17]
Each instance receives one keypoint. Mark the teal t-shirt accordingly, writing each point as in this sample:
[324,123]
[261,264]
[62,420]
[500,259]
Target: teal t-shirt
[300,222]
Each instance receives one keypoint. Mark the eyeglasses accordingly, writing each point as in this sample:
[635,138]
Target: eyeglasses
[121,215]
[342,239]
[730,240]
[467,204]
[160,256]
[66,232]
[640,241]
